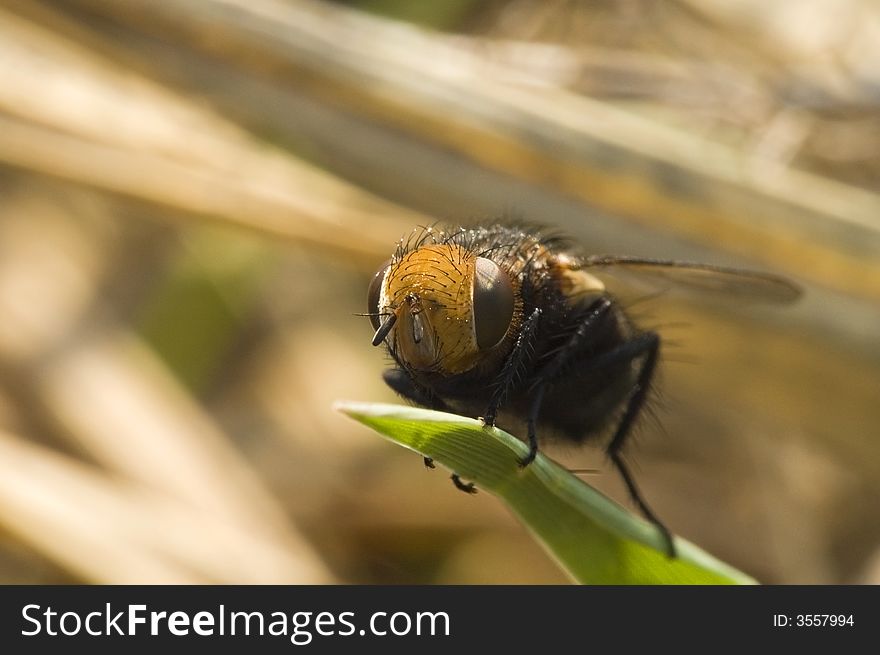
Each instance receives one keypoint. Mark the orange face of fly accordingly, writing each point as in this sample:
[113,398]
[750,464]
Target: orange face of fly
[439,307]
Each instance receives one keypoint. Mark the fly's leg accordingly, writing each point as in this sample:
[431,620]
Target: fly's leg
[645,346]
[534,408]
[518,359]
[569,352]
[403,384]
[522,351]
[461,486]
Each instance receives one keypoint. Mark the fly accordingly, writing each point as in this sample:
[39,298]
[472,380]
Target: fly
[506,320]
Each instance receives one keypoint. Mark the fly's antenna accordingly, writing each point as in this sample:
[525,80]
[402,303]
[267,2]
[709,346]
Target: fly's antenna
[384,329]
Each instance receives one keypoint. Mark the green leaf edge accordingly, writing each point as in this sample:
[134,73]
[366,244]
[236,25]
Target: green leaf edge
[477,453]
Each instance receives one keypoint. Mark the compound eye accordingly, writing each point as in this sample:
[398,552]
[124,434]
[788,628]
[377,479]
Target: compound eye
[374,293]
[493,303]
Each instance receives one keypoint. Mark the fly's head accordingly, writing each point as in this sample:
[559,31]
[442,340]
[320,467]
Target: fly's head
[440,307]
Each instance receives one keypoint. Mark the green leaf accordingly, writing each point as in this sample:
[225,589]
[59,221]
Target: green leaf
[593,538]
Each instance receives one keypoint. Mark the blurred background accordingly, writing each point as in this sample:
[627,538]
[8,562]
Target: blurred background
[195,193]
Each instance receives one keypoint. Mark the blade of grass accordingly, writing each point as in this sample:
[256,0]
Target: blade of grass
[592,538]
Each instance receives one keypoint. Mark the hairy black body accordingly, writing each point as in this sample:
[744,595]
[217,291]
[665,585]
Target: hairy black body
[579,401]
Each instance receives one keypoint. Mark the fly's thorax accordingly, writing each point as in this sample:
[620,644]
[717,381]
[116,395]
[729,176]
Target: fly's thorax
[452,308]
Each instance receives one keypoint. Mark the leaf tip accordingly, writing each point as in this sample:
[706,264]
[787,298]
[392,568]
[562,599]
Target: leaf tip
[350,408]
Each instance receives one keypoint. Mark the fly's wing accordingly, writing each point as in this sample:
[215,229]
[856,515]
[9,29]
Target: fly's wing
[705,278]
